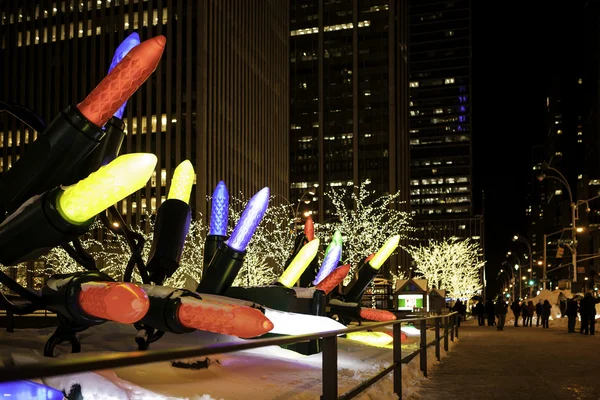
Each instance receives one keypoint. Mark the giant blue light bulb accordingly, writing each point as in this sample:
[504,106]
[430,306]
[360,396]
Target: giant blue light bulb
[129,43]
[29,390]
[330,262]
[251,217]
[220,209]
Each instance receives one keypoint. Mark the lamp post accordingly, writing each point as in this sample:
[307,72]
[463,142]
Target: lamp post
[573,206]
[518,268]
[296,217]
[514,281]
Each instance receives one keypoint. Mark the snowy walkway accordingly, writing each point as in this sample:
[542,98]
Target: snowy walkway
[518,363]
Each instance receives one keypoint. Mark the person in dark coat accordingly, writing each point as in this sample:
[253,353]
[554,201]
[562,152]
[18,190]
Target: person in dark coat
[538,312]
[588,314]
[524,313]
[546,314]
[571,312]
[480,312]
[489,310]
[458,307]
[530,311]
[500,309]
[516,309]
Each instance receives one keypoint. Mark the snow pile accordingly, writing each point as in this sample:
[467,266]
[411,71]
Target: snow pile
[265,373]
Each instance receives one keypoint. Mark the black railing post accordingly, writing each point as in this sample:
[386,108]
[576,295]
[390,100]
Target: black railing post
[398,360]
[452,327]
[446,319]
[330,386]
[437,338]
[424,347]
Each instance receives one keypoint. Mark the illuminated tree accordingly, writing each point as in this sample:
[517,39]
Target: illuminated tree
[451,264]
[365,224]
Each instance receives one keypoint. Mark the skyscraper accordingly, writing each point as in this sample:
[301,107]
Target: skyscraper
[348,87]
[440,109]
[348,99]
[219,97]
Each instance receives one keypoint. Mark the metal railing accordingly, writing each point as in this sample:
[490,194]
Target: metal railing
[329,354]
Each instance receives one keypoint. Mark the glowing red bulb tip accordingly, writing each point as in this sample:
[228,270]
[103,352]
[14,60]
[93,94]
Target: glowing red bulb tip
[309,228]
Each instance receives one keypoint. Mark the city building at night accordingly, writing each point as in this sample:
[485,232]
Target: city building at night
[440,109]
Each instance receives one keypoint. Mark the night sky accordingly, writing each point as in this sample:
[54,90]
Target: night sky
[514,53]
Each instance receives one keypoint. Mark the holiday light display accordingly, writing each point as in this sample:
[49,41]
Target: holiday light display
[330,262]
[309,228]
[336,240]
[229,257]
[129,43]
[377,339]
[181,311]
[334,279]
[61,215]
[103,188]
[89,298]
[370,268]
[296,268]
[219,218]
[373,314]
[181,184]
[122,81]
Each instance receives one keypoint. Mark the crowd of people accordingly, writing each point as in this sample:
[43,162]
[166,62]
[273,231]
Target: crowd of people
[524,311]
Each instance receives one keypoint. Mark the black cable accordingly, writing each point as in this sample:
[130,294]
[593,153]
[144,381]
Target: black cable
[90,262]
[19,290]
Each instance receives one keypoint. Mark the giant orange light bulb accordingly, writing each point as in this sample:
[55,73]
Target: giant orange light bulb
[122,81]
[373,314]
[309,228]
[332,280]
[228,319]
[115,301]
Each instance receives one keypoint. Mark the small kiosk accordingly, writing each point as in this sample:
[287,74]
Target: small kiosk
[411,296]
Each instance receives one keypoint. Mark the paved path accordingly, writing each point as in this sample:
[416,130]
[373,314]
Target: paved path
[518,363]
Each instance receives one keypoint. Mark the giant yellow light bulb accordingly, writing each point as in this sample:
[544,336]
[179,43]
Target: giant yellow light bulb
[384,252]
[377,339]
[103,188]
[183,179]
[299,264]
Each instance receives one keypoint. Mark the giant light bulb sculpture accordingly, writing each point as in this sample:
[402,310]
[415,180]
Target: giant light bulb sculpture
[63,214]
[219,217]
[229,257]
[368,271]
[296,268]
[330,262]
[182,311]
[172,225]
[109,147]
[77,131]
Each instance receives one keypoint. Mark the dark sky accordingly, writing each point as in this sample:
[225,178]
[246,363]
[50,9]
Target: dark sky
[513,51]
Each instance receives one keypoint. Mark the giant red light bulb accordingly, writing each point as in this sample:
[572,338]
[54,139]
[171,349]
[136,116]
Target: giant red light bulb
[332,280]
[122,81]
[228,319]
[373,314]
[115,301]
[309,228]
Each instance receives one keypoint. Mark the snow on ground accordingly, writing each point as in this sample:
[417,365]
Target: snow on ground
[265,373]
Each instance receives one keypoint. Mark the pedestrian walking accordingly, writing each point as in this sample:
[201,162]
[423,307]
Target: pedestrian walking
[530,311]
[516,309]
[538,312]
[480,312]
[546,314]
[571,312]
[500,309]
[562,304]
[588,314]
[458,307]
